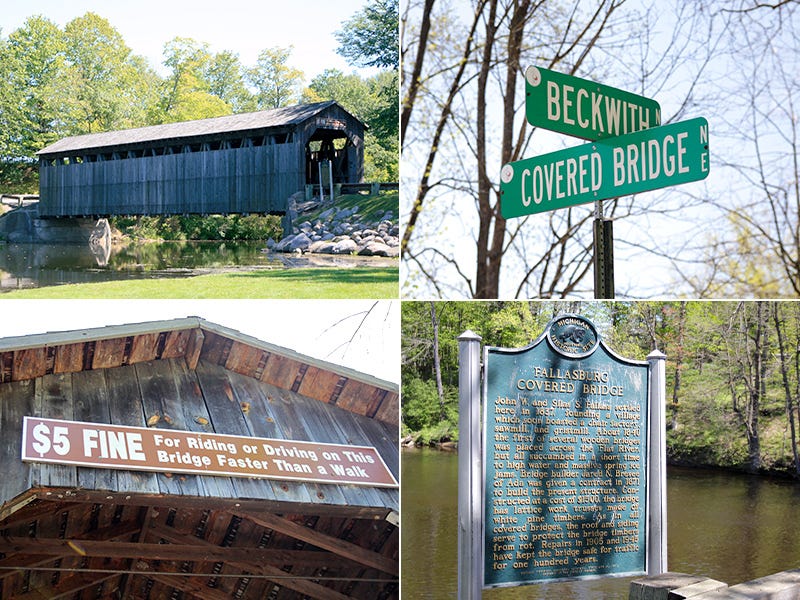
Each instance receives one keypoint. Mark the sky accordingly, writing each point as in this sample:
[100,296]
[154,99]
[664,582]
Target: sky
[317,328]
[242,26]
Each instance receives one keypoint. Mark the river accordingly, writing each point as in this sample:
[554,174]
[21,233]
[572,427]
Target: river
[41,265]
[726,526]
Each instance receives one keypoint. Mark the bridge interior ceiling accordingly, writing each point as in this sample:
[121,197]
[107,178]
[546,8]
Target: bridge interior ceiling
[62,544]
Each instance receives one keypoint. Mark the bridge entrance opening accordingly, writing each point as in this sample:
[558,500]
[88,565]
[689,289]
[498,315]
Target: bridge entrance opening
[324,145]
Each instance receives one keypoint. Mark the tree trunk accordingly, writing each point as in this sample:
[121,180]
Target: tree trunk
[679,353]
[786,387]
[437,365]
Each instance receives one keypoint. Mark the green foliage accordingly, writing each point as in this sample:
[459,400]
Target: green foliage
[731,400]
[369,38]
[196,227]
[84,79]
[277,84]
[423,414]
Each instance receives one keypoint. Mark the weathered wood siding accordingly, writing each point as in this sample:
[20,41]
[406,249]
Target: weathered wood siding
[129,395]
[256,179]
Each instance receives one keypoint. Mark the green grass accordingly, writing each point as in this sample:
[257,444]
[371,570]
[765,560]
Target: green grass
[369,207]
[372,282]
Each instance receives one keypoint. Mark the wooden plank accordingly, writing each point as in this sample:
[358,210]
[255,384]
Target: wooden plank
[108,353]
[313,590]
[143,348]
[280,371]
[244,358]
[225,413]
[181,548]
[389,410]
[126,408]
[69,358]
[326,542]
[358,397]
[29,363]
[194,348]
[160,398]
[318,383]
[90,404]
[54,401]
[16,401]
[177,341]
[261,422]
[189,396]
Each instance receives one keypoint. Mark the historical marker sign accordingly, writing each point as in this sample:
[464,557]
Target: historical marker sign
[176,451]
[629,164]
[565,447]
[583,108]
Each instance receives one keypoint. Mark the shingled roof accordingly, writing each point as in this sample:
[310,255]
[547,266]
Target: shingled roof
[265,119]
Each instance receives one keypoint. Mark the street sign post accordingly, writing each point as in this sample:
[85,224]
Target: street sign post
[584,108]
[628,164]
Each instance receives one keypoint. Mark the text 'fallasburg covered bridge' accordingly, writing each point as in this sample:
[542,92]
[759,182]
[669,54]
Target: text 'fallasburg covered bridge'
[244,163]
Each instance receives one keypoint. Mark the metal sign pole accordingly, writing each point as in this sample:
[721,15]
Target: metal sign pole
[657,466]
[603,254]
[470,495]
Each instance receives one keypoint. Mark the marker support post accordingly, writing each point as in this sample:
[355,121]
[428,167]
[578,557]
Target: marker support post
[470,493]
[603,254]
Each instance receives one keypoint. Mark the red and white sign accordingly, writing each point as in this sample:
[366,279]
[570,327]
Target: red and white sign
[165,450]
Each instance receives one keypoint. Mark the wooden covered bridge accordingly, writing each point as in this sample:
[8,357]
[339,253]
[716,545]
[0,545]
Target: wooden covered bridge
[244,163]
[229,502]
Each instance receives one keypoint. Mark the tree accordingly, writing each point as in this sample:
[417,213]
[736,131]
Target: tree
[31,66]
[225,77]
[488,73]
[108,87]
[187,93]
[369,38]
[277,84]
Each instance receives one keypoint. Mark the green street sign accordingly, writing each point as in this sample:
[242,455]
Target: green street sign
[628,164]
[583,108]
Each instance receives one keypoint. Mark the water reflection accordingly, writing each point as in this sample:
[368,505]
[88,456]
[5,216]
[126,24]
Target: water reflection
[725,526]
[40,265]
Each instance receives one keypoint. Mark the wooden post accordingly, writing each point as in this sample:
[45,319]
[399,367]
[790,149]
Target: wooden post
[470,499]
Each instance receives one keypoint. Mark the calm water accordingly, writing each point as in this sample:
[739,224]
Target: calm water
[728,527]
[40,265]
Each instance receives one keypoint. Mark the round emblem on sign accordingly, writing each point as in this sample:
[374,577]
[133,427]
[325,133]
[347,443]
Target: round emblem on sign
[507,173]
[573,336]
[533,76]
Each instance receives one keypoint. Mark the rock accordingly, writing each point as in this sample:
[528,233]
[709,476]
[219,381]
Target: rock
[345,246]
[374,249]
[321,247]
[294,242]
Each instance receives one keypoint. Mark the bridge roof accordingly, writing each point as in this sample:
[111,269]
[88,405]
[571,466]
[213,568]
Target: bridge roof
[265,119]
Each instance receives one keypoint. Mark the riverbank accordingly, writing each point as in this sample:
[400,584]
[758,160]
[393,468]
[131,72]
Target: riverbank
[309,282]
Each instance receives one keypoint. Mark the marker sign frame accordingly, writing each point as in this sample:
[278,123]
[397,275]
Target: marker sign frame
[584,108]
[565,459]
[105,446]
[633,163]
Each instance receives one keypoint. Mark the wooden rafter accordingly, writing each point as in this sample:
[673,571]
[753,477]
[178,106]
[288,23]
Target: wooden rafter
[336,545]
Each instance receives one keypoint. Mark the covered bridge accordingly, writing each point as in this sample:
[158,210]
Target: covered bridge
[78,521]
[245,163]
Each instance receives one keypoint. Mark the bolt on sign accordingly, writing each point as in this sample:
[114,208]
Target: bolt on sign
[565,447]
[174,451]
[628,164]
[583,108]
